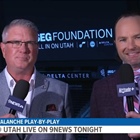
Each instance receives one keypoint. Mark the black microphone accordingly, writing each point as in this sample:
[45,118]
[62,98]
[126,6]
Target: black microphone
[20,92]
[127,78]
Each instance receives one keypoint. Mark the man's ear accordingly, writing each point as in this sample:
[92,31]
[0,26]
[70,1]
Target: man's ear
[2,46]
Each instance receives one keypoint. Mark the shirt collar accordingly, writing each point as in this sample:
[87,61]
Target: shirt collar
[11,82]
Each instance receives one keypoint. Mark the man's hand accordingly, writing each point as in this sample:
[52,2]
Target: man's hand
[6,116]
[133,114]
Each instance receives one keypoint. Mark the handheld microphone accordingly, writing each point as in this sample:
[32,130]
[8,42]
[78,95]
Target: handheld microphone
[16,102]
[128,88]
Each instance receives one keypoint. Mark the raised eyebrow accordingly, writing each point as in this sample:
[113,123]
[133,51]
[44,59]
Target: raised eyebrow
[121,37]
[136,35]
[30,41]
[14,41]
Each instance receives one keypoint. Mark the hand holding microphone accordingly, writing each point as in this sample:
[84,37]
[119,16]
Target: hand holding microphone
[133,114]
[16,101]
[127,88]
[2,136]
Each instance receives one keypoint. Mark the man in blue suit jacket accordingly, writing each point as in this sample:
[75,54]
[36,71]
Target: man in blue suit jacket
[47,98]
[105,102]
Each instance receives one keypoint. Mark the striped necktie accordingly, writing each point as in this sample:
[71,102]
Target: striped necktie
[136,97]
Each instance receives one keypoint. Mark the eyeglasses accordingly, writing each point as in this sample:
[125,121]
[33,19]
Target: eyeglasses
[17,44]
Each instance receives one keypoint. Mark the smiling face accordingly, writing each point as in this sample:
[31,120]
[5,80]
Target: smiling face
[127,39]
[24,57]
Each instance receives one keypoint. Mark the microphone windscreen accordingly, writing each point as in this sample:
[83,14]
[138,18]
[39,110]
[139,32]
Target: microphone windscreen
[21,89]
[127,87]
[16,102]
[126,74]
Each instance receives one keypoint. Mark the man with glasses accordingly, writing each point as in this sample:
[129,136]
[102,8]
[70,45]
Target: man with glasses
[47,98]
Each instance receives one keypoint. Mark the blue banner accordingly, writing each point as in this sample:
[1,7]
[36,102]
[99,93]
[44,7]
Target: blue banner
[70,121]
